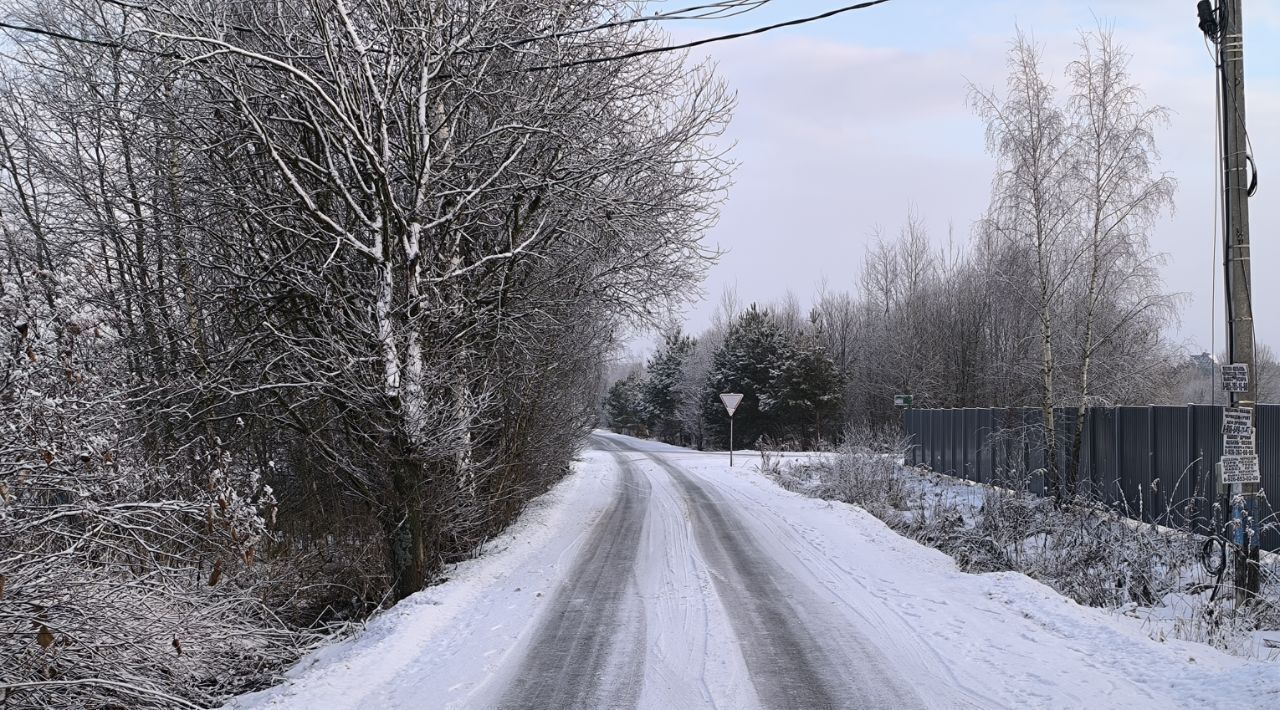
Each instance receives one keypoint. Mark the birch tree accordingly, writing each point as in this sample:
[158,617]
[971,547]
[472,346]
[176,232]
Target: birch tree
[1031,207]
[441,180]
[1120,194]
[311,296]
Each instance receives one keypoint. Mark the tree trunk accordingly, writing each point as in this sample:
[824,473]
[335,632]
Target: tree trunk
[402,523]
[1053,476]
[1077,437]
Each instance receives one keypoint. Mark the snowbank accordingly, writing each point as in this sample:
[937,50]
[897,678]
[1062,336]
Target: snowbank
[980,641]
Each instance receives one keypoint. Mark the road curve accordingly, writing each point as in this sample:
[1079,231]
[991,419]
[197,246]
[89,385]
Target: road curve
[798,656]
[589,650]
[658,578]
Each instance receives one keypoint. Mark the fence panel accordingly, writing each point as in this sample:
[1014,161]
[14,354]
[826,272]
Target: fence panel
[986,450]
[1206,448]
[1084,477]
[913,437]
[1171,475]
[1133,444]
[955,466]
[908,454]
[947,425]
[1268,443]
[998,444]
[1105,467]
[942,436]
[970,431]
[1154,463]
[1033,448]
[924,436]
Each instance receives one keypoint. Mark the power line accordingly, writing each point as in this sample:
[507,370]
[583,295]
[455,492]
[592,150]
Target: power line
[709,40]
[717,10]
[60,35]
[712,11]
[1218,216]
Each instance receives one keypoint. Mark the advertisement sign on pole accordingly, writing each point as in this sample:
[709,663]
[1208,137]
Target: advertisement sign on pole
[1238,445]
[1240,469]
[1235,378]
[1237,420]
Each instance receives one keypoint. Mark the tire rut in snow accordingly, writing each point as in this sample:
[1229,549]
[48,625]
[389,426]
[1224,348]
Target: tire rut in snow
[589,650]
[791,666]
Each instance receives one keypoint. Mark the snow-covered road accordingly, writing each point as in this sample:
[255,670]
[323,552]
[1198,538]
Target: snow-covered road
[704,564]
[658,578]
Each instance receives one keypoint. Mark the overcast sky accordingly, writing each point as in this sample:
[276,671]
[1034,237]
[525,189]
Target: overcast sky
[845,124]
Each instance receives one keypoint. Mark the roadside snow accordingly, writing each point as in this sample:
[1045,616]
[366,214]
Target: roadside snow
[456,626]
[983,641]
[1003,635]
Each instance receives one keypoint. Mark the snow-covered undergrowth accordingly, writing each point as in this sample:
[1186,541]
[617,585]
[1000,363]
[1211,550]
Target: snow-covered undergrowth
[434,634]
[1084,551]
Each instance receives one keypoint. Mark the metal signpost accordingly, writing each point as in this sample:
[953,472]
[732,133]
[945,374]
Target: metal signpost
[904,402]
[731,401]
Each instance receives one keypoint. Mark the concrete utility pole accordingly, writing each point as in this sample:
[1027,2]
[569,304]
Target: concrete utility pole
[1226,28]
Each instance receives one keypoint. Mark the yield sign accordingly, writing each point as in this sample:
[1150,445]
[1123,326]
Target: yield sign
[731,401]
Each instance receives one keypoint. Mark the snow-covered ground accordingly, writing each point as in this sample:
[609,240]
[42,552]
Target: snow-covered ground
[646,570]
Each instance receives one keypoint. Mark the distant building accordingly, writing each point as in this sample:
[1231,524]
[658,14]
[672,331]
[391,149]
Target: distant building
[1204,362]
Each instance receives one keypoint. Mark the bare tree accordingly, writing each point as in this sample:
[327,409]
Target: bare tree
[1029,133]
[1120,194]
[312,296]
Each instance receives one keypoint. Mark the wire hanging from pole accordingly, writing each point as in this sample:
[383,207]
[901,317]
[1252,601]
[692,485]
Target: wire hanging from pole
[709,40]
[1220,96]
[1218,216]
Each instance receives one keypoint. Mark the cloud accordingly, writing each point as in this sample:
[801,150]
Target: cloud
[840,129]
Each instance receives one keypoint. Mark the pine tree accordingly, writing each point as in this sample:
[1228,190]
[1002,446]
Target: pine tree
[811,387]
[661,391]
[625,406]
[752,362]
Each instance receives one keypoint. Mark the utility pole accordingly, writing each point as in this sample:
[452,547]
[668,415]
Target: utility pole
[1225,27]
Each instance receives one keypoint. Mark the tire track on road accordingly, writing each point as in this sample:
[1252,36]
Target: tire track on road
[791,664]
[588,651]
[830,573]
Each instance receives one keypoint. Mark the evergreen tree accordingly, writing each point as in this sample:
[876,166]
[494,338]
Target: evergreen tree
[811,387]
[752,362]
[625,405]
[661,391]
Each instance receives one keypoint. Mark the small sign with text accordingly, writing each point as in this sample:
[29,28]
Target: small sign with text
[1235,378]
[1240,469]
[1238,445]
[1237,420]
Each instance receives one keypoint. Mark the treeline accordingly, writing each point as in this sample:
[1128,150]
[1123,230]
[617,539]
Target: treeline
[1054,301]
[302,301]
[791,388]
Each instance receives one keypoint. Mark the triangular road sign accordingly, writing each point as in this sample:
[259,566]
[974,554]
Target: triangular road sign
[731,401]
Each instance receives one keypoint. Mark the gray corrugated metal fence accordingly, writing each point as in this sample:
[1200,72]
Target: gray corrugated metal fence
[1152,463]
